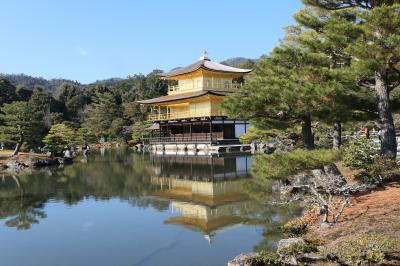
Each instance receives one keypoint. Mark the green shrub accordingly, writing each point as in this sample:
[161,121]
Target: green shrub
[59,136]
[267,258]
[360,153]
[380,171]
[283,164]
[366,250]
[299,248]
[294,228]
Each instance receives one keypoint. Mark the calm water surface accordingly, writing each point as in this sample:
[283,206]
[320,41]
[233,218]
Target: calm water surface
[124,208]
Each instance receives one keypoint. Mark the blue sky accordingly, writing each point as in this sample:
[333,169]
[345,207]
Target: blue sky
[88,40]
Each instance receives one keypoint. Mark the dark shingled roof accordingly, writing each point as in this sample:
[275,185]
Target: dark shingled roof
[182,96]
[205,64]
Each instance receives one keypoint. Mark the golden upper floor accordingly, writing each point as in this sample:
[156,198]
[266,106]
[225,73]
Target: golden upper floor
[204,75]
[186,105]
[198,90]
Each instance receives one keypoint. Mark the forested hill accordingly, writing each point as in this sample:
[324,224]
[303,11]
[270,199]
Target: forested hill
[53,85]
[29,82]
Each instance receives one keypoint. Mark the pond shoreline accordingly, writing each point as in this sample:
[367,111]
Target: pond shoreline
[25,161]
[346,241]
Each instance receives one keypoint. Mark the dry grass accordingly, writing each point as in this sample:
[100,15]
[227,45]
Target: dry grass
[375,213]
[5,153]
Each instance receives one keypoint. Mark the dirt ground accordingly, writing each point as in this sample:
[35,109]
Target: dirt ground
[376,213]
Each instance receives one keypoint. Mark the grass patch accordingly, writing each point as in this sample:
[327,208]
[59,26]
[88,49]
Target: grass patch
[367,249]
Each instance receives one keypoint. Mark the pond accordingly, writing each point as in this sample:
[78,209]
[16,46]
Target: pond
[124,208]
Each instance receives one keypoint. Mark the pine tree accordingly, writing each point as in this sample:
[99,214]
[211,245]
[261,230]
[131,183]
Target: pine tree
[39,103]
[343,4]
[376,54]
[329,34]
[103,112]
[282,94]
[378,65]
[304,77]
[19,124]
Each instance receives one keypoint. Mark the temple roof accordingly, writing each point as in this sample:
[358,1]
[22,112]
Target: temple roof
[205,64]
[182,96]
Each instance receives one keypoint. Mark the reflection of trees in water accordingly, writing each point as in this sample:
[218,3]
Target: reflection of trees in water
[24,198]
[274,218]
[122,175]
[271,216]
[26,216]
[23,209]
[146,202]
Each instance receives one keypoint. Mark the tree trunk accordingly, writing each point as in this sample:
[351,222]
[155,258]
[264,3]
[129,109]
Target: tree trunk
[388,133]
[17,148]
[337,135]
[306,132]
[19,144]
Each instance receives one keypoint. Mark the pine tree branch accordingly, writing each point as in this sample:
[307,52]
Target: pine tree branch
[366,82]
[343,4]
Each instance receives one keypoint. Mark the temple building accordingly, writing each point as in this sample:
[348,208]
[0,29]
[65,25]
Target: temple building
[191,112]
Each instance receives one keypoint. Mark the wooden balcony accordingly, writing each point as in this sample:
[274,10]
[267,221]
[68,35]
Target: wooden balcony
[192,87]
[189,138]
[186,114]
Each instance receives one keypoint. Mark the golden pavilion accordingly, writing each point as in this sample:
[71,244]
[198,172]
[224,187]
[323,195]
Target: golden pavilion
[191,112]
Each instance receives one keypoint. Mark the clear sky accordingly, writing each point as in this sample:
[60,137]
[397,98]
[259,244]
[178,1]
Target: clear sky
[88,40]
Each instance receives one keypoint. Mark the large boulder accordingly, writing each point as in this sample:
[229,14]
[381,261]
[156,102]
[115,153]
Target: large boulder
[328,178]
[286,244]
[244,259]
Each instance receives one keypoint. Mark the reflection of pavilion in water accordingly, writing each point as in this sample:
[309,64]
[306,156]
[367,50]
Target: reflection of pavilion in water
[207,192]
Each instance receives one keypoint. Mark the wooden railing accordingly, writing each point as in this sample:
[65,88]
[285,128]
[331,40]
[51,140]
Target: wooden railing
[185,114]
[188,138]
[220,86]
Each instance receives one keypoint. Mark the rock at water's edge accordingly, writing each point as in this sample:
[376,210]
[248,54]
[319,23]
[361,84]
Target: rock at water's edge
[15,165]
[288,242]
[244,259]
[283,244]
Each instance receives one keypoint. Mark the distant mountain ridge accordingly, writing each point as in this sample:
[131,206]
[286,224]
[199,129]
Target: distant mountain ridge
[238,61]
[52,85]
[29,82]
